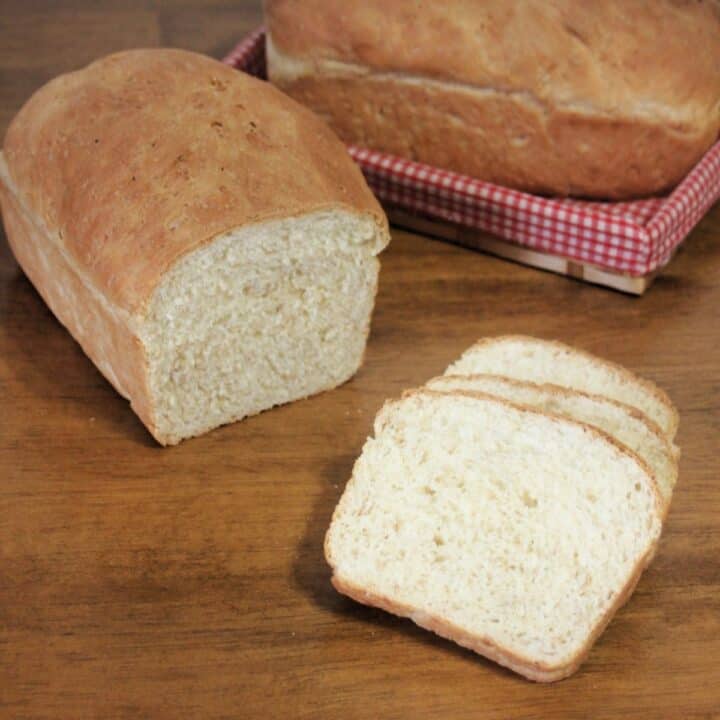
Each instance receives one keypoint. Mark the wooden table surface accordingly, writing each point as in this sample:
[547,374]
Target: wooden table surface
[189,582]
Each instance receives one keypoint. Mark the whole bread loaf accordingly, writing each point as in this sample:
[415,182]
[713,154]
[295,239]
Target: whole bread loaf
[206,239]
[611,99]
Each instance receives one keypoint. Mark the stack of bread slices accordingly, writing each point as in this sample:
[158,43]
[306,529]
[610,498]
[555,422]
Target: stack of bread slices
[511,504]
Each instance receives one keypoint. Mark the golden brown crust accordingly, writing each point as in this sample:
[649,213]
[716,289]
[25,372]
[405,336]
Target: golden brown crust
[104,333]
[556,97]
[533,670]
[650,387]
[605,54]
[503,139]
[483,646]
[145,155]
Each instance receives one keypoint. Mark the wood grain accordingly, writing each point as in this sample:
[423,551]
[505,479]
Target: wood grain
[137,582]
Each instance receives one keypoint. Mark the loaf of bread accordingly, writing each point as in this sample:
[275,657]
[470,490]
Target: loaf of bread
[510,531]
[612,99]
[206,239]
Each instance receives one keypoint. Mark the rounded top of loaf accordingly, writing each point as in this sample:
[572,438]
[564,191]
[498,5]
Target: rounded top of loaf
[650,59]
[146,155]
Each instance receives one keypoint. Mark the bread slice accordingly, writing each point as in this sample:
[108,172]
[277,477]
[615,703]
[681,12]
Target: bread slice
[514,533]
[626,424]
[546,361]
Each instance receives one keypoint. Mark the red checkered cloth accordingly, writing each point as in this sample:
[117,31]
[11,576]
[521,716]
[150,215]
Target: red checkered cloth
[634,238]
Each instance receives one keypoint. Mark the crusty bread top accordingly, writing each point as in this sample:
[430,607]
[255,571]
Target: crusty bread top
[145,155]
[655,59]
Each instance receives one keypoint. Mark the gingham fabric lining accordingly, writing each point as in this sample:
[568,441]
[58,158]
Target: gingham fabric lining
[635,238]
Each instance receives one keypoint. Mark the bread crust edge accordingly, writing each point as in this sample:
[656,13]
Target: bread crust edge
[648,385]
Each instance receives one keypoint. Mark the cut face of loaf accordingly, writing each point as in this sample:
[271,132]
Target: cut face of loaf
[264,315]
[543,361]
[512,532]
[208,241]
[626,424]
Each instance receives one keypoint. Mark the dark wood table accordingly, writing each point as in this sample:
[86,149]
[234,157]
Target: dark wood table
[140,582]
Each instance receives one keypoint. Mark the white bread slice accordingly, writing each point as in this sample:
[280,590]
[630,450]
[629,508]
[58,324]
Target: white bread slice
[626,424]
[545,361]
[512,532]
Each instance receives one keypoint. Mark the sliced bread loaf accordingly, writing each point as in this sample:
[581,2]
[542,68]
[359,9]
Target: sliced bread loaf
[512,532]
[626,424]
[544,361]
[208,241]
